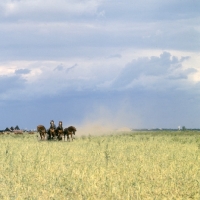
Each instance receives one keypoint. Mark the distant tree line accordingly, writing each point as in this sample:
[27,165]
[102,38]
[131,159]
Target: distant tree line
[12,128]
[168,129]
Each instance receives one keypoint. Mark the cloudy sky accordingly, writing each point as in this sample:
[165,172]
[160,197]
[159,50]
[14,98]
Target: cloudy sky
[118,63]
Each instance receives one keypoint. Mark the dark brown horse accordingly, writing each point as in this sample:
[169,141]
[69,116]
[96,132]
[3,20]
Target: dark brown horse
[52,133]
[52,130]
[42,130]
[69,132]
[59,130]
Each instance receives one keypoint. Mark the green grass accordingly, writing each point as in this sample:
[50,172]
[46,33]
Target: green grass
[134,165]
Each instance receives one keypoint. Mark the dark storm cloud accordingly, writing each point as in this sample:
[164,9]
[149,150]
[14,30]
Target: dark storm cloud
[164,109]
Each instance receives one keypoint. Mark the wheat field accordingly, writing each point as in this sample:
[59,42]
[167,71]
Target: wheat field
[131,165]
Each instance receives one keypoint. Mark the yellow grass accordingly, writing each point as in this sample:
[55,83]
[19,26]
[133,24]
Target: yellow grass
[128,166]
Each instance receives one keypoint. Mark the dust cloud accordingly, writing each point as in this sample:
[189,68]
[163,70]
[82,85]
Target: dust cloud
[104,121]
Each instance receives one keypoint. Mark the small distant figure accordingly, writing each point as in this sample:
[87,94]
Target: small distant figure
[52,125]
[69,132]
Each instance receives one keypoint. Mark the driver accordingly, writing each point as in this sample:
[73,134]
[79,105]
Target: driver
[52,125]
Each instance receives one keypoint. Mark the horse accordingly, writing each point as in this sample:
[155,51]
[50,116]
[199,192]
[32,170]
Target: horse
[59,130]
[52,133]
[69,131]
[52,130]
[42,130]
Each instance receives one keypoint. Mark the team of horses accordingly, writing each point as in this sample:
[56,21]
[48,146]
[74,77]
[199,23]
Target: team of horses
[56,133]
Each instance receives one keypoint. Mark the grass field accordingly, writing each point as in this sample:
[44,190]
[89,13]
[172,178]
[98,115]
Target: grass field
[133,165]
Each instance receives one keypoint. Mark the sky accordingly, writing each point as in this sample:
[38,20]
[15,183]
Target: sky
[110,63]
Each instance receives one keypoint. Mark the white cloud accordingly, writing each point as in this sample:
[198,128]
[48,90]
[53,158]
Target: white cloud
[143,70]
[22,71]
[156,72]
[44,10]
[75,74]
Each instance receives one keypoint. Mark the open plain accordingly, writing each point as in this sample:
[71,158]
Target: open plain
[122,165]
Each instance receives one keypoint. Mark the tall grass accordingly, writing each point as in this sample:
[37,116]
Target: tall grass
[153,165]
